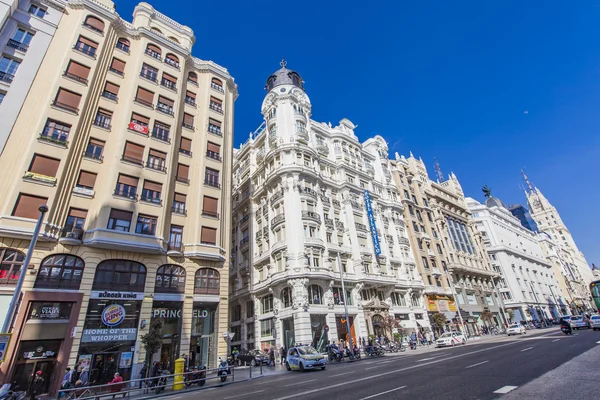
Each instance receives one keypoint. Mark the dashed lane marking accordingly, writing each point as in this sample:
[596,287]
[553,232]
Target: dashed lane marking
[526,349]
[474,365]
[242,395]
[505,389]
[345,373]
[300,383]
[427,359]
[382,393]
[555,340]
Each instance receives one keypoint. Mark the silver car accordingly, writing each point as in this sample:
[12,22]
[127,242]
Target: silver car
[579,321]
[595,322]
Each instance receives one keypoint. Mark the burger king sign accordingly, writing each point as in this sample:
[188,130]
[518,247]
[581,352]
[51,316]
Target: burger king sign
[113,315]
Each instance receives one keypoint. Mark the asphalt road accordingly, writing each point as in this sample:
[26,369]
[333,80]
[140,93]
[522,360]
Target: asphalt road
[474,371]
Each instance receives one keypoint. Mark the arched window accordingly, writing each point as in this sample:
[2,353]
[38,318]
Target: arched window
[286,297]
[315,294]
[414,298]
[193,78]
[120,275]
[154,29]
[153,50]
[266,304]
[174,39]
[10,269]
[216,84]
[94,23]
[170,278]
[60,271]
[172,59]
[123,44]
[207,281]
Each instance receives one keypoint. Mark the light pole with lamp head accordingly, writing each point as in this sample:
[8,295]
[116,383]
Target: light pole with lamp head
[228,336]
[43,209]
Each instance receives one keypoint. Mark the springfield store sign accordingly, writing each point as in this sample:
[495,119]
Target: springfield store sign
[112,316]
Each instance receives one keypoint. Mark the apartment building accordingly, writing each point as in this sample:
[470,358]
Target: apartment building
[127,138]
[26,30]
[305,193]
[527,282]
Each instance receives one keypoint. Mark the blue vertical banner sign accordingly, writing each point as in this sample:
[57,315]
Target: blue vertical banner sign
[372,225]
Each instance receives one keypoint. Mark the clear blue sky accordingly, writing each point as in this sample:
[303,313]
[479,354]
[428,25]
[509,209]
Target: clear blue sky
[487,87]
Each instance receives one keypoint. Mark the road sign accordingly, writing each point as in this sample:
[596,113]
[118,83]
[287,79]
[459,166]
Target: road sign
[326,328]
[4,342]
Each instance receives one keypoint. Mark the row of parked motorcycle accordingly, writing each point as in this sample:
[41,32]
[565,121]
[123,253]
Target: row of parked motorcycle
[377,349]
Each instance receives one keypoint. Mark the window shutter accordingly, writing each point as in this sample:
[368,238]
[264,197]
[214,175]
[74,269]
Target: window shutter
[120,214]
[186,144]
[78,70]
[134,151]
[215,100]
[95,23]
[157,187]
[180,197]
[155,48]
[173,57]
[124,41]
[156,153]
[128,180]
[188,119]
[169,78]
[166,101]
[111,88]
[87,179]
[215,148]
[96,142]
[214,122]
[193,77]
[211,204]
[209,235]
[68,98]
[44,165]
[27,206]
[87,41]
[145,95]
[77,213]
[118,65]
[183,171]
[217,81]
[140,118]
[190,94]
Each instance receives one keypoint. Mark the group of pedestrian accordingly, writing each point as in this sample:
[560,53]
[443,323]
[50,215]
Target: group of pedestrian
[75,378]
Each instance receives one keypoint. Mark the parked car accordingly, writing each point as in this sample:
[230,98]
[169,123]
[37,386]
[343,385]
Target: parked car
[595,322]
[580,321]
[516,329]
[254,358]
[451,339]
[304,357]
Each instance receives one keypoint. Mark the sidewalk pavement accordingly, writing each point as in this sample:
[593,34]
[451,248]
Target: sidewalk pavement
[578,377]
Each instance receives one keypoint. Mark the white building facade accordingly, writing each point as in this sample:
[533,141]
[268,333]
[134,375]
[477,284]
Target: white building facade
[301,196]
[527,283]
[27,28]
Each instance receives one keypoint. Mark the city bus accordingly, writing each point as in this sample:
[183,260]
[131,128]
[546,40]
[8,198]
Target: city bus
[595,290]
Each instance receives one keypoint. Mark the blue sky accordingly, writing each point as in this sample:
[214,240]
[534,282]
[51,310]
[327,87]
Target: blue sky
[486,87]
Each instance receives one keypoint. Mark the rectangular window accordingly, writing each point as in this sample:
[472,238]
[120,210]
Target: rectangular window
[144,97]
[211,178]
[103,118]
[111,91]
[210,207]
[169,81]
[37,11]
[67,100]
[149,72]
[266,328]
[179,203]
[157,160]
[127,186]
[216,105]
[151,192]
[94,149]
[165,105]
[133,153]
[183,172]
[75,220]
[185,146]
[117,66]
[56,131]
[86,180]
[27,206]
[43,165]
[139,123]
[213,151]
[77,72]
[214,127]
[176,237]
[190,98]
[208,236]
[86,46]
[188,121]
[161,131]
[119,220]
[146,225]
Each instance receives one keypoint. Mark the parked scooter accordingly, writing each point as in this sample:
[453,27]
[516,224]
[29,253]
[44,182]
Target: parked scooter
[223,371]
[334,353]
[197,376]
[567,330]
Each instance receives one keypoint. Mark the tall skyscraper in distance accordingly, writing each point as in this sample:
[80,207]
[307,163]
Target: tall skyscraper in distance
[524,216]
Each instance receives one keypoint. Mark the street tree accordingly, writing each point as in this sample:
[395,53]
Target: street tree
[152,340]
[390,323]
[487,317]
[511,314]
[439,320]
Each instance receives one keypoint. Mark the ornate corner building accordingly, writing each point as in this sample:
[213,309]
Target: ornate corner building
[306,192]
[128,139]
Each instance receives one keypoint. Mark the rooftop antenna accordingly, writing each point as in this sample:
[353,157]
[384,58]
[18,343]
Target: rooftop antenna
[527,181]
[438,171]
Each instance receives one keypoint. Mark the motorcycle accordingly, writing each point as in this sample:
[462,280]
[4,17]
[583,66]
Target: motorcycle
[162,382]
[335,354]
[10,395]
[413,344]
[223,371]
[197,376]
[566,330]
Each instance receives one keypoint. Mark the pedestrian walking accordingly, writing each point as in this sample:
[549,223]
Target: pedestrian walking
[66,382]
[117,384]
[282,354]
[272,357]
[143,373]
[84,377]
[36,387]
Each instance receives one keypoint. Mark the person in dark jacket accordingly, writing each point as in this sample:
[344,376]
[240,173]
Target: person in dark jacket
[282,354]
[37,386]
[143,373]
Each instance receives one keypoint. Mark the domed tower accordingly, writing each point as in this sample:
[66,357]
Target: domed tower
[286,108]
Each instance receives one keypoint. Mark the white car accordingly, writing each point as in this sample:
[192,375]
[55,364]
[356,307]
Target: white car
[595,322]
[451,339]
[516,329]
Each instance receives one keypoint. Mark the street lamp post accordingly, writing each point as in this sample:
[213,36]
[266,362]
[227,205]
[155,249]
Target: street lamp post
[17,294]
[339,261]
[451,281]
[228,336]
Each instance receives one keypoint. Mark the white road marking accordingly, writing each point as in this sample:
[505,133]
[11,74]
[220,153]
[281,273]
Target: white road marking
[333,376]
[300,383]
[241,395]
[556,340]
[527,349]
[382,393]
[598,342]
[381,364]
[505,389]
[280,379]
[427,359]
[395,371]
[575,334]
[474,365]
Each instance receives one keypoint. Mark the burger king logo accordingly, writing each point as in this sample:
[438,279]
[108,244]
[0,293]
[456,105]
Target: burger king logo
[113,315]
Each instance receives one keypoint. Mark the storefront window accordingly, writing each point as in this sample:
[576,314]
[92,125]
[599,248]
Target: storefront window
[10,269]
[207,281]
[319,336]
[120,275]
[60,271]
[203,340]
[338,296]
[46,310]
[341,326]
[169,312]
[170,279]
[266,327]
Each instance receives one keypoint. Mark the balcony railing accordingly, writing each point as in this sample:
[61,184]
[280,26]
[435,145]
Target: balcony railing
[179,209]
[144,102]
[216,87]
[153,54]
[190,101]
[75,78]
[188,126]
[59,138]
[213,155]
[163,108]
[123,47]
[172,63]
[276,197]
[210,214]
[329,222]
[102,122]
[66,107]
[192,82]
[17,45]
[277,219]
[150,199]
[309,192]
[156,166]
[186,152]
[360,227]
[212,183]
[116,71]
[311,215]
[355,205]
[244,241]
[6,77]
[93,156]
[216,107]
[182,179]
[150,76]
[128,194]
[162,136]
[90,51]
[132,160]
[335,202]
[110,96]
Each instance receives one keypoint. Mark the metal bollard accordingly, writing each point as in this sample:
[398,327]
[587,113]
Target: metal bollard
[250,369]
[261,368]
[233,374]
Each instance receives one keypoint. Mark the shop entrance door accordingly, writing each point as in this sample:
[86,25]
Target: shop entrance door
[104,366]
[25,370]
